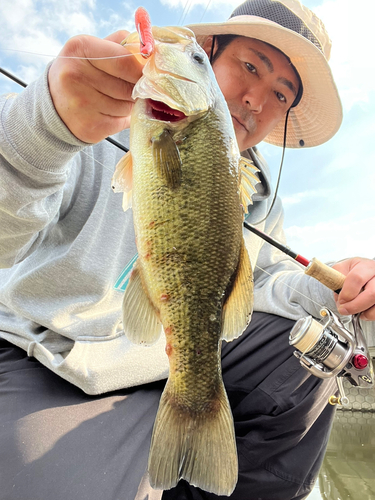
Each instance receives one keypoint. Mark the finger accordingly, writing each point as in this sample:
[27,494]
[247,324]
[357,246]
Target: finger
[118,36]
[113,107]
[356,279]
[112,125]
[104,125]
[111,86]
[368,315]
[83,105]
[108,56]
[109,116]
[362,302]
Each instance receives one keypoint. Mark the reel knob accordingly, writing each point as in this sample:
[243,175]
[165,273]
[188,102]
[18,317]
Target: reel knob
[360,361]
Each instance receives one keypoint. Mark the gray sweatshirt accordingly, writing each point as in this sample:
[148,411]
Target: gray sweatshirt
[64,240]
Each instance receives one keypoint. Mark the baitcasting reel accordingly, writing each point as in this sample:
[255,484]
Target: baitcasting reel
[327,349]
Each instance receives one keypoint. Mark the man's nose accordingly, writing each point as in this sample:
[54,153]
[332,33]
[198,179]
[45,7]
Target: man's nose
[255,99]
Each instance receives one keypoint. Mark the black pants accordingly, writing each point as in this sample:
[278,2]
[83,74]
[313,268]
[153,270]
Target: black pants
[59,443]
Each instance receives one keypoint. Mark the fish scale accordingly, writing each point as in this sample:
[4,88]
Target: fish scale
[202,239]
[193,275]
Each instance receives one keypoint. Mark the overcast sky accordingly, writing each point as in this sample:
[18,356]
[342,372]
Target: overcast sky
[328,191]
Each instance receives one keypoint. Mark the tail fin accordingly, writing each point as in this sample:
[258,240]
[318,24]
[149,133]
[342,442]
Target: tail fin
[199,447]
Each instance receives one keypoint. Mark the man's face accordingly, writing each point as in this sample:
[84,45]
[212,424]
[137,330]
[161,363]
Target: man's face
[258,84]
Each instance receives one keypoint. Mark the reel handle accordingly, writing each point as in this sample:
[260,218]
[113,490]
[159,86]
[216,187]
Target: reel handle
[328,276]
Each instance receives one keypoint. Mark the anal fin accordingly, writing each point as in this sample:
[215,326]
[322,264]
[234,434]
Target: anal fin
[139,317]
[238,306]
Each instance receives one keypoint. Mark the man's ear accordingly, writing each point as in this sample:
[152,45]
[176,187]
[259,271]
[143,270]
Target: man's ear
[207,45]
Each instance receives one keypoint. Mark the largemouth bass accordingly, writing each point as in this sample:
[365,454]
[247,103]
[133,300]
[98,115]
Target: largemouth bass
[189,188]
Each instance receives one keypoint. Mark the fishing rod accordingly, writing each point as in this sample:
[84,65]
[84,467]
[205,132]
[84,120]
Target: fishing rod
[328,276]
[325,348]
[314,268]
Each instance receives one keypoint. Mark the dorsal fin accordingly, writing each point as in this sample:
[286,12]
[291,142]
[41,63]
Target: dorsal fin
[248,180]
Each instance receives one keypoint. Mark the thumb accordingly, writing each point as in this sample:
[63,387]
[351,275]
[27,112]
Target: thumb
[118,36]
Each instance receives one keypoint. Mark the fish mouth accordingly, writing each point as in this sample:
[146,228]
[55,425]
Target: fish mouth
[162,112]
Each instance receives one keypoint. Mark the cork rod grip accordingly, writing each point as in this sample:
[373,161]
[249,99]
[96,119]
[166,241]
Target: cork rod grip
[329,277]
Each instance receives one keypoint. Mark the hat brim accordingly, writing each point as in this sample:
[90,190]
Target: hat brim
[318,115]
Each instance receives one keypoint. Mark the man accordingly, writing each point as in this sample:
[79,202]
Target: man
[77,400]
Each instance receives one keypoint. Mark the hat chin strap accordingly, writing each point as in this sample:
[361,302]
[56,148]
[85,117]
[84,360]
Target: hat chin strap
[295,103]
[281,165]
[212,49]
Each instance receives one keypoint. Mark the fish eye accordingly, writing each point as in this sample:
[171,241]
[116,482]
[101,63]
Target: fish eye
[198,57]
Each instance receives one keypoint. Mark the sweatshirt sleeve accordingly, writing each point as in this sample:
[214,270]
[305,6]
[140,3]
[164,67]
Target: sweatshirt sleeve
[36,152]
[281,285]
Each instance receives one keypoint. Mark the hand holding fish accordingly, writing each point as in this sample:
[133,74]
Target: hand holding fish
[93,96]
[358,293]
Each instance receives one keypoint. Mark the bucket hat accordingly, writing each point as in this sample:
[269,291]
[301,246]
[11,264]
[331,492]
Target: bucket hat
[300,35]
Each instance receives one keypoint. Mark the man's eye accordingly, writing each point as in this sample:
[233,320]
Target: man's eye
[251,68]
[280,97]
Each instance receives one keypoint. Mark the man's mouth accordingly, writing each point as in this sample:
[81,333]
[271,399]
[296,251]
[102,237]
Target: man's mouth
[237,121]
[161,111]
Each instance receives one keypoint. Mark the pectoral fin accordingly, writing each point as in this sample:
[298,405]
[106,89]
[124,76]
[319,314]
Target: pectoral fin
[238,307]
[167,159]
[248,180]
[140,321]
[122,180]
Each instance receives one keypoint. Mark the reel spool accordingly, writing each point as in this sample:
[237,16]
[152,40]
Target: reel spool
[327,349]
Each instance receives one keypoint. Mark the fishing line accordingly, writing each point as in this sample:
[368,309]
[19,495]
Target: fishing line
[109,139]
[205,10]
[97,161]
[72,57]
[256,265]
[294,289]
[294,104]
[279,175]
[23,84]
[185,12]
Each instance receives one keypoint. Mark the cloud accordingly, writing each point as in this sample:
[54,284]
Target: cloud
[354,144]
[42,27]
[187,4]
[75,22]
[115,22]
[351,32]
[117,16]
[334,239]
[196,11]
[307,196]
